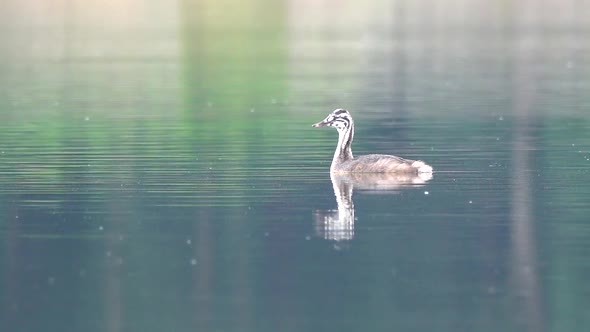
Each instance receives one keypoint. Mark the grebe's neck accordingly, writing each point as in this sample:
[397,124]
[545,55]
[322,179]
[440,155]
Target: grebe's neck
[343,151]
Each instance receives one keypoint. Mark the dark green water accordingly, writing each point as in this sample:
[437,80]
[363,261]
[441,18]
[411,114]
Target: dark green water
[159,172]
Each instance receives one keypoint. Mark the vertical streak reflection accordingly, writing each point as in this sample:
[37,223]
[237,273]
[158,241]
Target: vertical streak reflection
[524,266]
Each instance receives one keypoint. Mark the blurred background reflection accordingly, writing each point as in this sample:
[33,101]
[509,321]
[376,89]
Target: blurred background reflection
[158,169]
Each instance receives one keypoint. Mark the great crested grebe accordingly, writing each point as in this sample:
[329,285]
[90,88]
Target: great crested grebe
[344,162]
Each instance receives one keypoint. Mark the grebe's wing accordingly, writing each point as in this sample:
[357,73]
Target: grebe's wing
[381,163]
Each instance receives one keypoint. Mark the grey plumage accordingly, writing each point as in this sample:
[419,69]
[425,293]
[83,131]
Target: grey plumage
[344,161]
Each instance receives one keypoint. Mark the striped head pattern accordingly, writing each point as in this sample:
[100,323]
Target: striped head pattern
[339,119]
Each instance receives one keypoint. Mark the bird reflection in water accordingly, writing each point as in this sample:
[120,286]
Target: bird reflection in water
[338,225]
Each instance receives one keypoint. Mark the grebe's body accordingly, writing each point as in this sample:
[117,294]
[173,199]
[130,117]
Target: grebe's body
[344,162]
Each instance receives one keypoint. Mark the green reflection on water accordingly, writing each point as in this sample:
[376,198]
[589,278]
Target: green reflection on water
[162,175]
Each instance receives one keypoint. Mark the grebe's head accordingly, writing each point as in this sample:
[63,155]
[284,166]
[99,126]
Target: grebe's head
[339,119]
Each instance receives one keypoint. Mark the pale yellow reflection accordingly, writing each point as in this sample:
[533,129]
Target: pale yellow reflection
[338,225]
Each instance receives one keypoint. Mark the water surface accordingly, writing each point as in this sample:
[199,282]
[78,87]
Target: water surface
[163,174]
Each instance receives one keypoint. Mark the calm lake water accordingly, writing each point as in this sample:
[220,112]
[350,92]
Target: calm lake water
[159,171]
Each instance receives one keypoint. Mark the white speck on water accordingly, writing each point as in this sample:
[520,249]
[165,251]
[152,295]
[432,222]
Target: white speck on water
[273,101]
[193,261]
[108,253]
[87,118]
[100,228]
[500,118]
[16,217]
[470,202]
[308,238]
[426,193]
[189,242]
[497,138]
[266,234]
[251,110]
